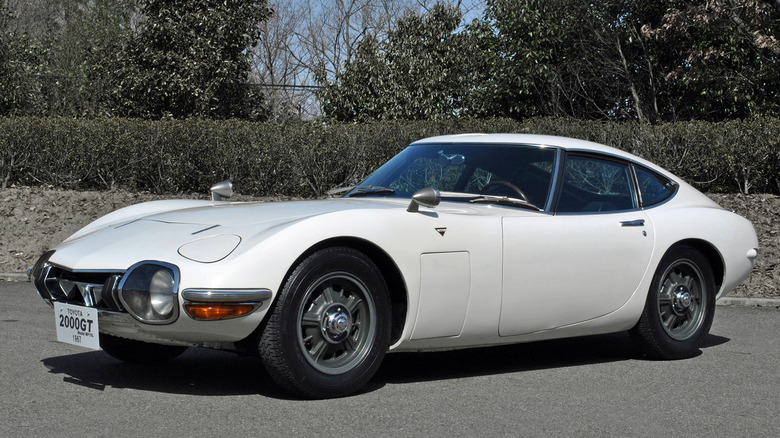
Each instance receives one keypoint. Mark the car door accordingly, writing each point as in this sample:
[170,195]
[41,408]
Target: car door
[582,262]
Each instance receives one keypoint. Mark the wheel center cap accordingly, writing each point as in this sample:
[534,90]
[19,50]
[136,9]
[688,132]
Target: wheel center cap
[337,324]
[682,300]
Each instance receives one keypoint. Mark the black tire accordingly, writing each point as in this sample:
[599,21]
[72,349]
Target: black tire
[330,326]
[680,306]
[128,350]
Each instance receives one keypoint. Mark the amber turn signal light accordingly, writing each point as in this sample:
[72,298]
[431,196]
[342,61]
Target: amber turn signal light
[217,311]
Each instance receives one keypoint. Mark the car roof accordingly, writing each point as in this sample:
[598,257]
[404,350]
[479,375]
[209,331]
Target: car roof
[530,139]
[690,193]
[569,144]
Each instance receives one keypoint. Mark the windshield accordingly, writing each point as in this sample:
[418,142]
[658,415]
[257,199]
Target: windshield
[523,172]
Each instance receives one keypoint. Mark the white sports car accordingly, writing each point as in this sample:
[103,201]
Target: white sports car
[458,241]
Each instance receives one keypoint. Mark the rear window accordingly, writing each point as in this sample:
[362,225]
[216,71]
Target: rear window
[653,188]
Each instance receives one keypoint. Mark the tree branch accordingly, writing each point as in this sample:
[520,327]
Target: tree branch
[634,93]
[755,35]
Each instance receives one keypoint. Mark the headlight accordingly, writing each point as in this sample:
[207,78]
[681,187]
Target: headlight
[148,291]
[161,293]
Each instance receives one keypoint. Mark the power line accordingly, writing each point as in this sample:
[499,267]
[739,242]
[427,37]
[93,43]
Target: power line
[278,86]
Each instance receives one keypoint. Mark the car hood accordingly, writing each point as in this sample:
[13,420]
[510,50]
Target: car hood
[167,235]
[256,213]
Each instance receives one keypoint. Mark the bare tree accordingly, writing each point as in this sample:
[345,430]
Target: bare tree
[307,42]
[277,65]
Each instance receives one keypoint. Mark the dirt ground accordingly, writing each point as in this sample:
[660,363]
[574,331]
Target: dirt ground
[33,219]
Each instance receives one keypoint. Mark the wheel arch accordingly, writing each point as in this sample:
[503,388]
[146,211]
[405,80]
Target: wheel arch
[392,275]
[710,253]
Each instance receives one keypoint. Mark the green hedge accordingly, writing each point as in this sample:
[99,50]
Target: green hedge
[307,159]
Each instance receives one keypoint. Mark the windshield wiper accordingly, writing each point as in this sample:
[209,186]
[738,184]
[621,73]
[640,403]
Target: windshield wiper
[475,198]
[504,200]
[371,190]
[338,191]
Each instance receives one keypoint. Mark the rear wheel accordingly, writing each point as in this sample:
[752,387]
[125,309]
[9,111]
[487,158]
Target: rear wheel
[680,306]
[132,351]
[330,326]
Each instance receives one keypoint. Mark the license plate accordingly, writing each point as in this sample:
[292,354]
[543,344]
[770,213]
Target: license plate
[77,325]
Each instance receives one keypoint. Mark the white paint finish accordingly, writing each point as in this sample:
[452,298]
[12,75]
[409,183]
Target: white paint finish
[404,237]
[125,239]
[445,283]
[133,212]
[119,247]
[732,236]
[561,270]
[258,213]
[210,249]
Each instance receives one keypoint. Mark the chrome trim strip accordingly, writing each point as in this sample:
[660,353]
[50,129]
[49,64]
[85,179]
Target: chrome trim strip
[637,195]
[86,271]
[111,292]
[585,213]
[39,280]
[548,206]
[126,326]
[90,292]
[227,295]
[205,229]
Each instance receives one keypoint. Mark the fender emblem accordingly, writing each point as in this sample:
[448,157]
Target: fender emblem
[441,230]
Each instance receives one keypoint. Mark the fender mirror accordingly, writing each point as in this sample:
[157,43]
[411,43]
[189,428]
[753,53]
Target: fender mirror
[427,197]
[221,190]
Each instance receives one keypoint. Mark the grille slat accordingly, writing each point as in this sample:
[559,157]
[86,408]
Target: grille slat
[91,289]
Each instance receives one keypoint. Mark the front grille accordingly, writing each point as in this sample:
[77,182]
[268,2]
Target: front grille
[91,289]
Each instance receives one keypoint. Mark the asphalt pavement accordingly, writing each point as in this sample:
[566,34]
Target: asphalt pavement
[593,386]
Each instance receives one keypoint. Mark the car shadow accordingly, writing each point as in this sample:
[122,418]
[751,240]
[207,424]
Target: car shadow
[713,341]
[207,372]
[416,367]
[199,371]
[399,368]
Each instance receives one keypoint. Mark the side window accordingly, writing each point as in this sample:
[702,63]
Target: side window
[592,184]
[653,187]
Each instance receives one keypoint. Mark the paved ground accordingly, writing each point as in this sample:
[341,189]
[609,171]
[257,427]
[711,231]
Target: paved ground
[593,386]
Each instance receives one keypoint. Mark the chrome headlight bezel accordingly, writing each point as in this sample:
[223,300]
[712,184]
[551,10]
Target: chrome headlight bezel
[38,273]
[149,292]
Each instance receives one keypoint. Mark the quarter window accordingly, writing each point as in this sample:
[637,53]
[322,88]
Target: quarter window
[653,187]
[593,184]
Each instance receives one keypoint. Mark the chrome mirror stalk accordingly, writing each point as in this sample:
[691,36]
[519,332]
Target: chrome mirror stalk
[427,197]
[221,190]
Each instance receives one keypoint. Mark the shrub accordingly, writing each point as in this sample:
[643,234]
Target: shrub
[307,159]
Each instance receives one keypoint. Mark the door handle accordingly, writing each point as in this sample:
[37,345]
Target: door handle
[634,223]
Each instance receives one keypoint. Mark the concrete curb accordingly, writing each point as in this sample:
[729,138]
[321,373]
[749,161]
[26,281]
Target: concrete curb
[13,276]
[725,301]
[749,302]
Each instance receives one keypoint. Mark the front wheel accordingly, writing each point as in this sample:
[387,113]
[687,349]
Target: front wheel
[330,326]
[680,306]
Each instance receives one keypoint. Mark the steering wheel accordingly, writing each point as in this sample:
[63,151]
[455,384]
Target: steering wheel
[508,184]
